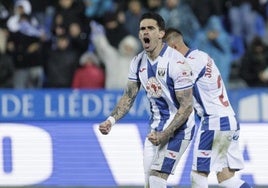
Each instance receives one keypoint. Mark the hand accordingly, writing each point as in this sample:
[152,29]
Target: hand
[96,29]
[158,138]
[105,127]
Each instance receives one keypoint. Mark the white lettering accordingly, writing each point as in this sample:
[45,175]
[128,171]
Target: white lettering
[253,108]
[254,142]
[48,107]
[61,105]
[13,105]
[95,102]
[31,150]
[27,106]
[74,105]
[109,102]
[54,108]
[123,152]
[264,106]
[7,102]
[248,108]
[114,147]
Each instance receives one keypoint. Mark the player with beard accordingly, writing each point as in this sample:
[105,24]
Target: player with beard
[167,80]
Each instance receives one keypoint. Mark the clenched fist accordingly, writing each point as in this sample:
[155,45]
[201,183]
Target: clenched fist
[158,138]
[105,127]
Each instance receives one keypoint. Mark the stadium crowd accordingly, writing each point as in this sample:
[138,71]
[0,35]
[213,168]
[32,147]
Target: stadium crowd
[89,43]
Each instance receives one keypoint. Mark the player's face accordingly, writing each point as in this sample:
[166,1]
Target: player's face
[150,35]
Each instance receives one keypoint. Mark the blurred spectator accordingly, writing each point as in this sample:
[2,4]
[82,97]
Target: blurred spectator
[66,12]
[254,64]
[204,9]
[58,27]
[42,10]
[69,19]
[245,21]
[96,9]
[61,64]
[114,30]
[116,60]
[21,7]
[90,75]
[6,71]
[214,40]
[179,15]
[6,64]
[24,45]
[238,48]
[133,13]
[153,5]
[79,39]
[4,15]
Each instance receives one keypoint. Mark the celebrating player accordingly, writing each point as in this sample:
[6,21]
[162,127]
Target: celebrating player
[167,80]
[216,146]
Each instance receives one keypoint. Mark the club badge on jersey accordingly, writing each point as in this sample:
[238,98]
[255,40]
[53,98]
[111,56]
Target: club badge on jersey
[153,87]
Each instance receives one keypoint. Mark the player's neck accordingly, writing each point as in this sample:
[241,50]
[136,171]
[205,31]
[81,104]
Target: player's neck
[184,49]
[153,55]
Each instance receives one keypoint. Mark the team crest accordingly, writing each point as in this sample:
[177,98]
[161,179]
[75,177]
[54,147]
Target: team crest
[161,72]
[153,87]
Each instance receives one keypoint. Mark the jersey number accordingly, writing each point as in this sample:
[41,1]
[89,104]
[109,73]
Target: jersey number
[221,97]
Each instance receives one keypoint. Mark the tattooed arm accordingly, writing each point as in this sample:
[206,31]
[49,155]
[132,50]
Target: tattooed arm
[185,99]
[122,107]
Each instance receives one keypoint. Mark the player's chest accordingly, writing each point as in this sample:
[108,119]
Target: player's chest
[154,77]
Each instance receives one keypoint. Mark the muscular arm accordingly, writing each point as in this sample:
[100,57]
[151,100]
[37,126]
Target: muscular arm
[122,107]
[126,101]
[185,98]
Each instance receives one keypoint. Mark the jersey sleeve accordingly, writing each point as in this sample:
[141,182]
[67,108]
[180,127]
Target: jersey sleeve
[134,68]
[182,75]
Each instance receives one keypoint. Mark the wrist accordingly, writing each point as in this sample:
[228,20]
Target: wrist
[111,119]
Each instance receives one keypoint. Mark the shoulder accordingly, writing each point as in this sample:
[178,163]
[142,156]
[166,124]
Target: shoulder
[198,56]
[173,55]
[196,53]
[138,58]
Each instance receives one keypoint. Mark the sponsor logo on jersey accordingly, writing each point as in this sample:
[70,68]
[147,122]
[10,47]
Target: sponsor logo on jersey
[142,69]
[172,155]
[180,62]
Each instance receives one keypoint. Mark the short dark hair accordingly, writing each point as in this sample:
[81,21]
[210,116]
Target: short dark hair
[173,30]
[171,33]
[152,15]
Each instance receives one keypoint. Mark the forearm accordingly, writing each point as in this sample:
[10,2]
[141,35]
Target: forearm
[122,108]
[126,101]
[179,119]
[185,100]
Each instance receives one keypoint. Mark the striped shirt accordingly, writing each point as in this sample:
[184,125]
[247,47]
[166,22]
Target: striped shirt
[211,99]
[160,78]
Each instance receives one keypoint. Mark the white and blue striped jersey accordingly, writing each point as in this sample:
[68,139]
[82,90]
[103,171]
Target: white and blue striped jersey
[211,99]
[160,79]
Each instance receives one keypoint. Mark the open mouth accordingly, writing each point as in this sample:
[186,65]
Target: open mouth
[146,42]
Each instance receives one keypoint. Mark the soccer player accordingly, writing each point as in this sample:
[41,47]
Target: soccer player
[167,80]
[216,146]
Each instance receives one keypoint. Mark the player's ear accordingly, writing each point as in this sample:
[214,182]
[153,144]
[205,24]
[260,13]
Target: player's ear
[161,34]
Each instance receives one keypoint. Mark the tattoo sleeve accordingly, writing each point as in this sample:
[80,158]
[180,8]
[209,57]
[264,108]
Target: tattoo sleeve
[185,99]
[126,101]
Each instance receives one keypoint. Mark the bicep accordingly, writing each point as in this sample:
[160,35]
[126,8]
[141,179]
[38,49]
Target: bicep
[132,89]
[185,98]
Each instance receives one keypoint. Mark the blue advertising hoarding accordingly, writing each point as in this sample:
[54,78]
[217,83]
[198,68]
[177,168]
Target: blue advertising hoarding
[51,138]
[66,105]
[76,154]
